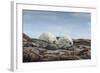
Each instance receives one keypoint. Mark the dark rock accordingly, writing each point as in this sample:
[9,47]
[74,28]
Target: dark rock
[26,38]
[85,54]
[52,52]
[52,47]
[35,50]
[30,55]
[82,42]
[65,57]
[29,44]
[57,38]
[41,43]
[50,57]
[42,50]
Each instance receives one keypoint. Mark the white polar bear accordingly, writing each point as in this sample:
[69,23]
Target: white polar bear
[65,41]
[62,42]
[49,37]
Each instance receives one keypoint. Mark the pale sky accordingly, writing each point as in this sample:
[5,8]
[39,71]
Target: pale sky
[74,24]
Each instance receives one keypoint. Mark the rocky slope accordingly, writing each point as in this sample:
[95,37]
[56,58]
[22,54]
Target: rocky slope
[35,50]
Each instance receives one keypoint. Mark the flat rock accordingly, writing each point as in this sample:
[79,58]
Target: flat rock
[65,57]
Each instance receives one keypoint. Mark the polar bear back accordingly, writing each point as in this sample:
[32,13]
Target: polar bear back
[48,37]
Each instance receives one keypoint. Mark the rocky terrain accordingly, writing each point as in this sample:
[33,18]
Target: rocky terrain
[35,50]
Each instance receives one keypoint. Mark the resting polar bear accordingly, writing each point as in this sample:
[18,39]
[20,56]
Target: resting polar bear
[49,37]
[64,41]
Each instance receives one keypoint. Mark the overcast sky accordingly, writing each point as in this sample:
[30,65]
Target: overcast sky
[74,24]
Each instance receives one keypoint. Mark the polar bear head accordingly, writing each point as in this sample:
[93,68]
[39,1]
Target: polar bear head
[65,41]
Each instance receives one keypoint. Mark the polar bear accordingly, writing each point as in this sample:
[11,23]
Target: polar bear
[65,41]
[49,37]
[62,42]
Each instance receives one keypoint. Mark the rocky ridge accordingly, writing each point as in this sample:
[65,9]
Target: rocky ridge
[35,50]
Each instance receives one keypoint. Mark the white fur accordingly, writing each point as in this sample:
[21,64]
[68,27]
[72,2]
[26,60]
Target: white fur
[49,37]
[65,41]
